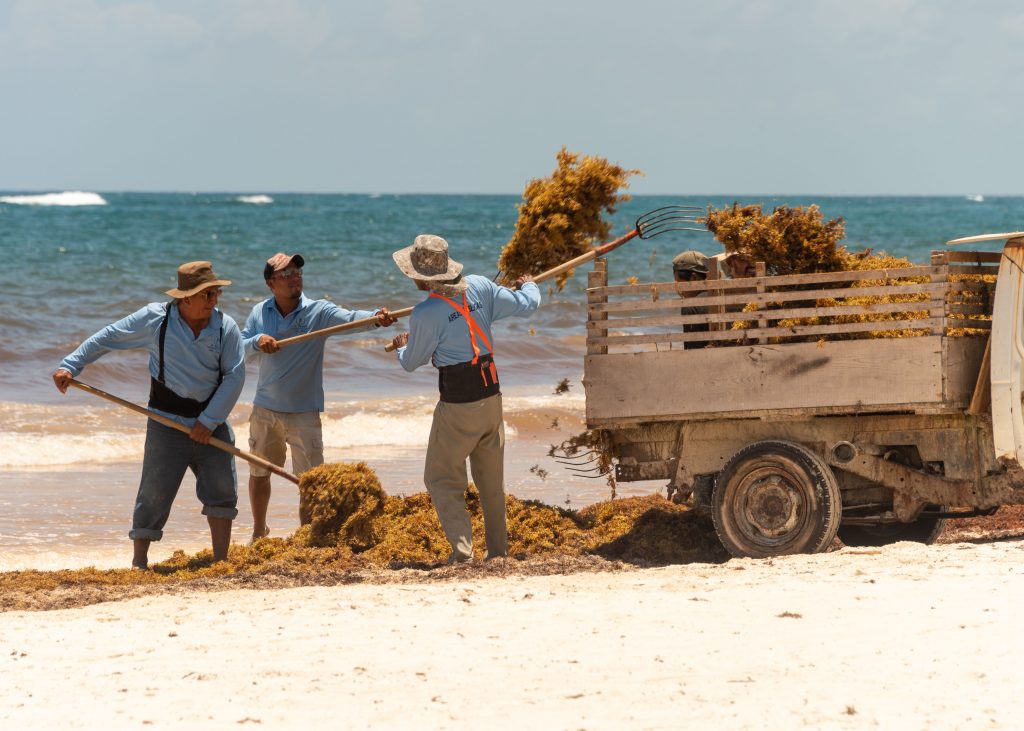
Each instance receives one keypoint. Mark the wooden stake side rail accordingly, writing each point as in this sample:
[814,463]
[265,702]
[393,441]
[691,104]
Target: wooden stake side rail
[803,313]
[939,300]
[978,257]
[748,336]
[937,290]
[787,280]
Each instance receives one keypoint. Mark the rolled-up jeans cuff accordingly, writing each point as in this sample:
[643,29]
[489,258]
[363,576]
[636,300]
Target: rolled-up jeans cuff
[145,534]
[211,511]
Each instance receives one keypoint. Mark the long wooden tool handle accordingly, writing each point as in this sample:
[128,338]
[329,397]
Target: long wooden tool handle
[340,328]
[554,271]
[219,444]
[584,258]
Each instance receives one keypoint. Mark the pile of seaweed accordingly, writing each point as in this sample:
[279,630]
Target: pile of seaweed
[358,530]
[560,217]
[798,240]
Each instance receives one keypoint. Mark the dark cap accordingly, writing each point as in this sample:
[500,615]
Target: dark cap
[690,261]
[281,261]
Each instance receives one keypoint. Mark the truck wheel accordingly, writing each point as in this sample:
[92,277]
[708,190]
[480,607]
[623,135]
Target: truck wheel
[774,498]
[925,530]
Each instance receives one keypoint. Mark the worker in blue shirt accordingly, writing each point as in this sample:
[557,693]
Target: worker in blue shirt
[452,330]
[290,391]
[196,370]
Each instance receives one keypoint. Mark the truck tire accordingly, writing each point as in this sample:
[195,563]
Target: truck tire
[925,530]
[774,498]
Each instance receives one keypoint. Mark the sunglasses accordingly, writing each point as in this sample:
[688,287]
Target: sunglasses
[209,294]
[288,274]
[685,275]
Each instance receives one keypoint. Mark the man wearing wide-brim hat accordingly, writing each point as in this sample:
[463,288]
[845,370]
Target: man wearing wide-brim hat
[196,373]
[451,329]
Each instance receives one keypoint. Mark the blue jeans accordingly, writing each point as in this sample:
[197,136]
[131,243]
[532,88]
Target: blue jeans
[169,453]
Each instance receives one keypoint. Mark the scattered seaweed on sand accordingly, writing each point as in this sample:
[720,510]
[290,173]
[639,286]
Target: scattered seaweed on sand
[560,216]
[403,533]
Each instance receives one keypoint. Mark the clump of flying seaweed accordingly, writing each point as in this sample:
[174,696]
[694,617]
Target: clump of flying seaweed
[560,217]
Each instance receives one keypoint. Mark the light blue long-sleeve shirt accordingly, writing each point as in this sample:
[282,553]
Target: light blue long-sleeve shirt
[439,333]
[192,365]
[292,379]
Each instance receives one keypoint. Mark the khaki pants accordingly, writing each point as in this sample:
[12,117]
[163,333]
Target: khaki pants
[477,431]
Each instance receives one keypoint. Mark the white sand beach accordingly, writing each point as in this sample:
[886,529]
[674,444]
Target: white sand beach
[906,636]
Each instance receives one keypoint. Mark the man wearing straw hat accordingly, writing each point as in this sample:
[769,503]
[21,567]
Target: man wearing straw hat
[452,330]
[290,393]
[196,373]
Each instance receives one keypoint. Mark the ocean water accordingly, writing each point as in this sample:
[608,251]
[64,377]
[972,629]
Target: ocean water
[75,261]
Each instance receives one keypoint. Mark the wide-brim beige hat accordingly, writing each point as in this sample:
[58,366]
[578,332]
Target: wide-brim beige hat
[427,259]
[194,277]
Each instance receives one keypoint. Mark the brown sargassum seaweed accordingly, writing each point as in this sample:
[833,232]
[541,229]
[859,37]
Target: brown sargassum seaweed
[797,240]
[358,533]
[560,217]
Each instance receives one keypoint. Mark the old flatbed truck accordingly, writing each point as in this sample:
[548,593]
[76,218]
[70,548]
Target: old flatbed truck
[800,422]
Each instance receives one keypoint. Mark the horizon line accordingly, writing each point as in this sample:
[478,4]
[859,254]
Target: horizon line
[145,191]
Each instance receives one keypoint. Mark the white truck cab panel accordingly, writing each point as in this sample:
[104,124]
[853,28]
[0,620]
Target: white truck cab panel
[1007,348]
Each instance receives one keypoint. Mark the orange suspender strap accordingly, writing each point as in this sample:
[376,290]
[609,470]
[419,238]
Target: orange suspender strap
[474,330]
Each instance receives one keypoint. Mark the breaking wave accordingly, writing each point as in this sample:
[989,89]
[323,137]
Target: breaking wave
[259,200]
[67,198]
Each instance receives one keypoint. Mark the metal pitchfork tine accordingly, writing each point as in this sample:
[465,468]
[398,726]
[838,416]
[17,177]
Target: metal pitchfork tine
[579,458]
[669,218]
[576,464]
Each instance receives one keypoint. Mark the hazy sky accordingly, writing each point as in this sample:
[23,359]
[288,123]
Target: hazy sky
[468,96]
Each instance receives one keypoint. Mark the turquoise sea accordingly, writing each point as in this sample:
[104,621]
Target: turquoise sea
[75,261]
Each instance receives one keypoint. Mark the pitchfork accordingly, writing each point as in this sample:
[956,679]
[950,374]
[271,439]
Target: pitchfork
[651,224]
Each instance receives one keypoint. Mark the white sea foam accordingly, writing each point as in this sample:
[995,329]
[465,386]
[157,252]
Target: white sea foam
[259,200]
[67,198]
[976,198]
[19,450]
[35,436]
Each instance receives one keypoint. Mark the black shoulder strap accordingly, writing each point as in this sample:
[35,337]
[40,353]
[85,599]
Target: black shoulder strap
[163,335]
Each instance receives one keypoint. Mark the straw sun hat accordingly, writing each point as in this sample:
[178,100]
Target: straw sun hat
[194,277]
[427,259]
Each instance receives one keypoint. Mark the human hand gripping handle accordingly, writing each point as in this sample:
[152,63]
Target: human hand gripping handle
[62,378]
[267,344]
[399,342]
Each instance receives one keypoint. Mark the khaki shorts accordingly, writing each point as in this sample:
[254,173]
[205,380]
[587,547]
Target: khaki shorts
[271,432]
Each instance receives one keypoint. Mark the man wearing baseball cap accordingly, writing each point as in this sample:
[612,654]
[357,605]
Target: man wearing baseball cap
[196,370]
[290,392]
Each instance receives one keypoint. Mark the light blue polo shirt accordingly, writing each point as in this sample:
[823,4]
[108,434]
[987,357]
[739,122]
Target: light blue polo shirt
[192,365]
[292,379]
[440,333]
